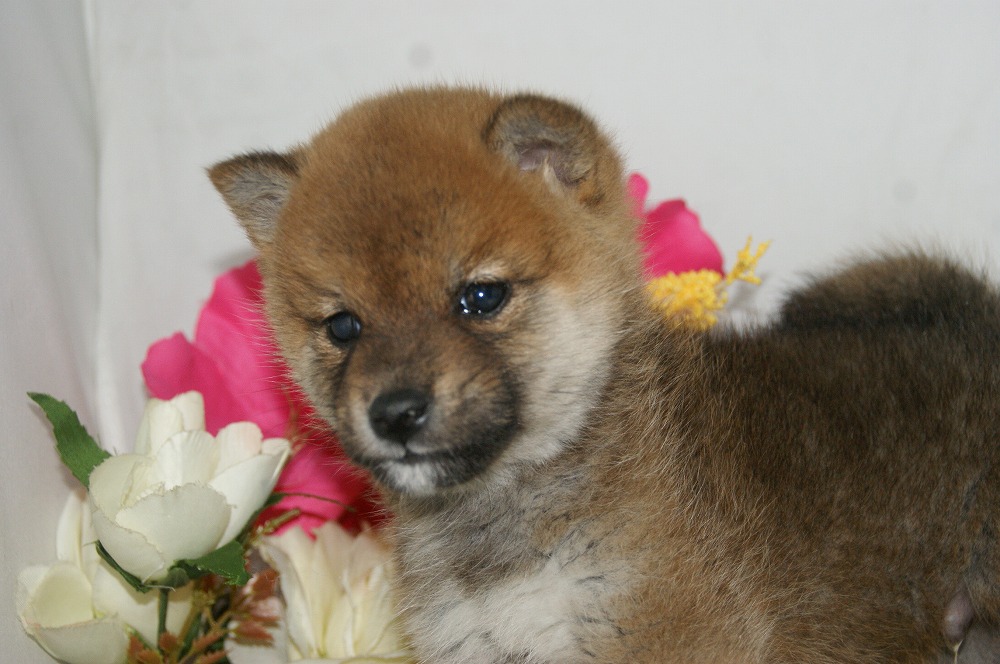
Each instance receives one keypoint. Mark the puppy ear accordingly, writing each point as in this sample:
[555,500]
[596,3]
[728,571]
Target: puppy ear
[557,141]
[255,186]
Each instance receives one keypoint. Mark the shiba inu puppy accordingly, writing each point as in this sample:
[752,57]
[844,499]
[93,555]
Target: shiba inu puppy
[454,279]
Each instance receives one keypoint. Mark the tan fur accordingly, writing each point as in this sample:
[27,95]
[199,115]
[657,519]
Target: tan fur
[588,481]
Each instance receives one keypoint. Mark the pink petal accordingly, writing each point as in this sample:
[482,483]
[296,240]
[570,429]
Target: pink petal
[319,468]
[233,331]
[638,189]
[671,234]
[675,241]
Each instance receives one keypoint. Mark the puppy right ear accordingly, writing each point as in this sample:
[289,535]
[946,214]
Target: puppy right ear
[255,186]
[560,143]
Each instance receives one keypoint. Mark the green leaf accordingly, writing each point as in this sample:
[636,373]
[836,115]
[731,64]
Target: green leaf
[227,562]
[77,449]
[130,578]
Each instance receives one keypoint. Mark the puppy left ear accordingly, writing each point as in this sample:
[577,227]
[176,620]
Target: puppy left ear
[559,142]
[255,186]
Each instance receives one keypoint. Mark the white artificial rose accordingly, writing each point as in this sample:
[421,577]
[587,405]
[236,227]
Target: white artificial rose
[79,609]
[182,493]
[338,601]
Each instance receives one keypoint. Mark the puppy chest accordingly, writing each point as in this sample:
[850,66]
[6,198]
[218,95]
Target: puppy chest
[550,615]
[537,605]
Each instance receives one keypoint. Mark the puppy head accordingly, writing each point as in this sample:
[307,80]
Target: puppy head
[444,272]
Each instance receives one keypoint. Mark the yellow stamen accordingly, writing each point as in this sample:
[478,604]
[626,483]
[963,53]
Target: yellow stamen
[695,296]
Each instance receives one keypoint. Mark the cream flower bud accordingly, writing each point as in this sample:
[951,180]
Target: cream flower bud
[338,601]
[181,494]
[80,610]
[55,604]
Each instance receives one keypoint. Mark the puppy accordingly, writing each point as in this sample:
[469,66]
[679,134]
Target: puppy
[454,279]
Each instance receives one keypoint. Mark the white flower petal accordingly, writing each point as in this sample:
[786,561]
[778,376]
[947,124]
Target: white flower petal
[241,653]
[189,457]
[285,553]
[38,584]
[89,558]
[68,531]
[337,593]
[27,582]
[163,419]
[373,606]
[165,422]
[55,595]
[160,421]
[279,447]
[185,522]
[246,487]
[237,443]
[332,563]
[111,481]
[144,434]
[192,408]
[55,609]
[130,550]
[112,596]
[99,641]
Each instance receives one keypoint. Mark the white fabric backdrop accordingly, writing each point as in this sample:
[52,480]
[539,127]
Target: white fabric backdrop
[825,126]
[48,263]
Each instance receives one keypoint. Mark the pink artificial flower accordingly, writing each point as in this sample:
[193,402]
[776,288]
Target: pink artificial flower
[672,235]
[234,364]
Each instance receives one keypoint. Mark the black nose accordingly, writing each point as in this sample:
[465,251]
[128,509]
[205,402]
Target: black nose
[399,415]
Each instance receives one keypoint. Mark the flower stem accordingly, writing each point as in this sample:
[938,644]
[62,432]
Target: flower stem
[161,625]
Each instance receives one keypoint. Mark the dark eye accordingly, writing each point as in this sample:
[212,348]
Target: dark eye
[343,327]
[483,299]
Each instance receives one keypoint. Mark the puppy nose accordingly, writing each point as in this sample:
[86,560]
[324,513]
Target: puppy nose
[399,415]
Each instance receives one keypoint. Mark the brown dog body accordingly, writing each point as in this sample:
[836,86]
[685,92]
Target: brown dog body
[454,279]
